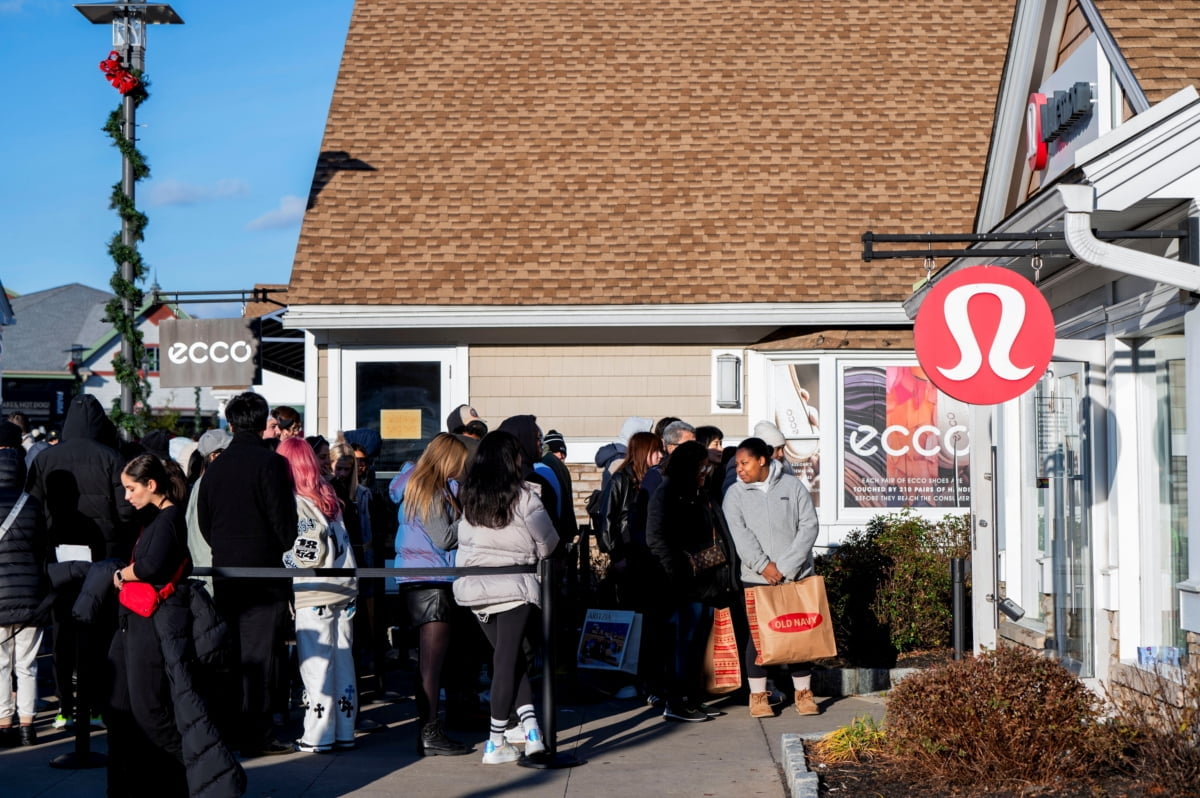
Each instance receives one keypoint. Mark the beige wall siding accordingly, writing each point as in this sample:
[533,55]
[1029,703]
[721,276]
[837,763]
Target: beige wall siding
[589,391]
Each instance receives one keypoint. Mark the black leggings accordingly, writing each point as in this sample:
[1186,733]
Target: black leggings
[510,679]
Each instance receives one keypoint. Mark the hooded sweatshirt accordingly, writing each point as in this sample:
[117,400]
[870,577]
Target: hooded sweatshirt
[769,522]
[78,483]
[525,430]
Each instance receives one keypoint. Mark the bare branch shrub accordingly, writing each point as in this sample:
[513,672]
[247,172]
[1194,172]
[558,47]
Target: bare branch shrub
[1009,715]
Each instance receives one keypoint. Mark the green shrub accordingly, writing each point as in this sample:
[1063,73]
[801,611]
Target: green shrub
[1010,715]
[889,586]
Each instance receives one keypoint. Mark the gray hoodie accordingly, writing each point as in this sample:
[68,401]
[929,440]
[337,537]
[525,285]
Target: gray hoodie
[776,525]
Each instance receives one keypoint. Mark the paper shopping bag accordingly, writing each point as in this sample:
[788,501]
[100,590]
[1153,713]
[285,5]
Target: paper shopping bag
[722,667]
[790,622]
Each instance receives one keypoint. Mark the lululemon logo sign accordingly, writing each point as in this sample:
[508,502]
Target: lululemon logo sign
[984,335]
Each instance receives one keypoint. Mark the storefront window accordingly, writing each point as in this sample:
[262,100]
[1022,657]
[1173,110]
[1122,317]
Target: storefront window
[1165,547]
[796,396]
[905,444]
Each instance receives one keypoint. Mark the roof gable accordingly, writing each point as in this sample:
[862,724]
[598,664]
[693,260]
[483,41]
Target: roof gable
[582,152]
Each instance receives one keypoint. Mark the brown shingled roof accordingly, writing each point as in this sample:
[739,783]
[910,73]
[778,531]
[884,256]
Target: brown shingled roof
[1157,40]
[498,152]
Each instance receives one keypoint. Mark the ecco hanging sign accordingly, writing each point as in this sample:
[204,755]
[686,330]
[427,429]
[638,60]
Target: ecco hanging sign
[984,335]
[206,353]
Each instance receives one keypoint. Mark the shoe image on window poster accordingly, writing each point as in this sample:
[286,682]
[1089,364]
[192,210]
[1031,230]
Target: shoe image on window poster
[795,414]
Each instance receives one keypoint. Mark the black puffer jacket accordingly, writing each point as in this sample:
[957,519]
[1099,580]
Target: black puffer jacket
[23,582]
[78,483]
[192,634]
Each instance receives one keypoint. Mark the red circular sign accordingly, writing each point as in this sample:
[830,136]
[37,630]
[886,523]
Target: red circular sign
[984,335]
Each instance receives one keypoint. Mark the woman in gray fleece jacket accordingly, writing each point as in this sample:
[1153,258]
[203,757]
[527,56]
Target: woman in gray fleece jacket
[773,524]
[503,523]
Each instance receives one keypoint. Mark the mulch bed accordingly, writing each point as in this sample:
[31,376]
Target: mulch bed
[876,780]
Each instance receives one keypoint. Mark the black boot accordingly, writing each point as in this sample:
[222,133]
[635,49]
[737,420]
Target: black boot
[28,735]
[434,742]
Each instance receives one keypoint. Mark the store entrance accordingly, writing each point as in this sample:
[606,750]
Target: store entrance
[1062,415]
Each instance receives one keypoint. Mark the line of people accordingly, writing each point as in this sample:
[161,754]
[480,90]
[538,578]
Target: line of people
[689,524]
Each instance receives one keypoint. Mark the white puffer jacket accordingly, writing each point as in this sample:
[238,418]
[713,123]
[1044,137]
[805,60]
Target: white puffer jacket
[529,537]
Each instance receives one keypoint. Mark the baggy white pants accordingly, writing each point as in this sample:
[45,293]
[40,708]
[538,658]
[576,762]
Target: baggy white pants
[324,642]
[19,654]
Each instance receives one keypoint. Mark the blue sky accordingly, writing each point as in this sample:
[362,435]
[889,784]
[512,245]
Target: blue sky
[232,128]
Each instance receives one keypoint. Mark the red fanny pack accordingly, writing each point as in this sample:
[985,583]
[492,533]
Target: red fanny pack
[142,598]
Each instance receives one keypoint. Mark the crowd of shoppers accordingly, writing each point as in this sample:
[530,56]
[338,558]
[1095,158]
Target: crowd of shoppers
[99,540]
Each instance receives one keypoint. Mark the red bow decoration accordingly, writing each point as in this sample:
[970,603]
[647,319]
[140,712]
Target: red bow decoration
[117,75]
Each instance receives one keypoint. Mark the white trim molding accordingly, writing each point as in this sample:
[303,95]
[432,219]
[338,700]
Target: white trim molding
[757,314]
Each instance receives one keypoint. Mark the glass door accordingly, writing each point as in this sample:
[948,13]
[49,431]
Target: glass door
[1062,414]
[403,394]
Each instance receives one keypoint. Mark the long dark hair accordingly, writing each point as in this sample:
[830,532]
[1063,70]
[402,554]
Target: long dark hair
[493,484]
[167,476]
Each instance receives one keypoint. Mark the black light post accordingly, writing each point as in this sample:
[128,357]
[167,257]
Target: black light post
[129,21]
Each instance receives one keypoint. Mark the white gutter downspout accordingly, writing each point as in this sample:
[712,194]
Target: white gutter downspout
[1079,202]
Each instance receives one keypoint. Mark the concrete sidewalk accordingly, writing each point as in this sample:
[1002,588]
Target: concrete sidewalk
[626,748]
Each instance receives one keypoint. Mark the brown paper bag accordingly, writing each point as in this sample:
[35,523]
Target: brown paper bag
[790,622]
[722,668]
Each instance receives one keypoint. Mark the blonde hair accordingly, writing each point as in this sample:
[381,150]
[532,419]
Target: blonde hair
[338,451]
[443,460]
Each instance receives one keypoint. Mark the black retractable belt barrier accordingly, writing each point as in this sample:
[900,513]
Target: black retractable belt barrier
[548,759]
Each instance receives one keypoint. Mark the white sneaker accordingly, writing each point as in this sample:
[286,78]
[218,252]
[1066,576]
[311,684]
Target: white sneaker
[533,742]
[62,722]
[499,754]
[514,735]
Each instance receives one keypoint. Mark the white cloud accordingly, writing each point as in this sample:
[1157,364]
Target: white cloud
[289,214]
[177,192]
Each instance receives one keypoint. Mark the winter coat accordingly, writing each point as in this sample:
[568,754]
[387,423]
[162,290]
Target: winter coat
[78,483]
[776,525]
[527,538]
[570,524]
[247,512]
[625,515]
[192,636]
[23,582]
[182,628]
[679,523]
[320,543]
[424,542]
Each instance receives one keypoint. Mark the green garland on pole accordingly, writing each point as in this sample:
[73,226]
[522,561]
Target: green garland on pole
[128,373]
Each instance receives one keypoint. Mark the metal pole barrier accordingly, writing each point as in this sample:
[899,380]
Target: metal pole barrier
[958,592]
[550,708]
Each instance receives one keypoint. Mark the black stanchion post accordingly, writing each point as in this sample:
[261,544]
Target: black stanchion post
[550,709]
[81,757]
[958,587]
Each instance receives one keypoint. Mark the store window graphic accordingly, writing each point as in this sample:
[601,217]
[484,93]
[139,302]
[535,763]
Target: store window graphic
[904,443]
[796,394]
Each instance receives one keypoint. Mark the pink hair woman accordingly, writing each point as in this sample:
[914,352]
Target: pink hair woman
[324,606]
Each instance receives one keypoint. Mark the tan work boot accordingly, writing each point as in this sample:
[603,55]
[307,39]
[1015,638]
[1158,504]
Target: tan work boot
[805,704]
[760,707]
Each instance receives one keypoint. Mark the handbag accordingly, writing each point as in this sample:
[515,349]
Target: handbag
[790,622]
[143,598]
[707,558]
